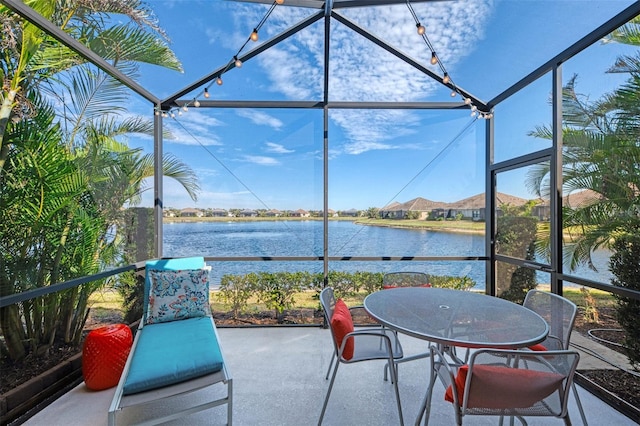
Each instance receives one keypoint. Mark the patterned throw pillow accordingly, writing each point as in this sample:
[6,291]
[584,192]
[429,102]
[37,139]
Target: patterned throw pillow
[177,295]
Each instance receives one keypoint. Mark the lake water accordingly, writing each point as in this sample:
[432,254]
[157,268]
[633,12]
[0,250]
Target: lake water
[305,238]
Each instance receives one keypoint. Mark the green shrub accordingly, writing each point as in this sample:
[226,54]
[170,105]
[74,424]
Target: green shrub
[625,266]
[515,237]
[277,290]
[130,286]
[456,283]
[343,283]
[235,291]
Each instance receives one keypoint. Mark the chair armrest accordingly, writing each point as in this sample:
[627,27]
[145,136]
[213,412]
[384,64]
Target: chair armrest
[361,317]
[444,369]
[374,332]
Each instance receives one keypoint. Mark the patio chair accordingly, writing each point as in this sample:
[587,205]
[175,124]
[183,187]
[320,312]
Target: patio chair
[352,346]
[513,383]
[560,314]
[405,279]
[176,349]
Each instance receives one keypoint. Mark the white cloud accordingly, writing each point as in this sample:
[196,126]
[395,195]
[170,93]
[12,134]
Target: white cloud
[261,160]
[277,148]
[261,118]
[361,71]
[193,128]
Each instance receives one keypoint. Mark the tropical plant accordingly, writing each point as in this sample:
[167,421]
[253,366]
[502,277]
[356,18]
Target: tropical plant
[601,155]
[30,56]
[62,212]
[515,237]
[48,232]
[277,290]
[236,290]
[373,213]
[625,265]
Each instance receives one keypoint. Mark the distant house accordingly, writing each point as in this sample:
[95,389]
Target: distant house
[299,213]
[273,213]
[574,200]
[189,212]
[420,205]
[248,213]
[219,213]
[472,208]
[581,198]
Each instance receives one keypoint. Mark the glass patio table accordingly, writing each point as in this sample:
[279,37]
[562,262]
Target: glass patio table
[457,318]
[454,318]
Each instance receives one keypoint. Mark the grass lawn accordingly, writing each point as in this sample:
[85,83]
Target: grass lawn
[432,225]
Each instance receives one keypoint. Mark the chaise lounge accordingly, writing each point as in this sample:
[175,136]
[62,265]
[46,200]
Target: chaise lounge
[176,349]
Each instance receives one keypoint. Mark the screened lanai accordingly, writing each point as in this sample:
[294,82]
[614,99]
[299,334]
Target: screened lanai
[336,120]
[344,106]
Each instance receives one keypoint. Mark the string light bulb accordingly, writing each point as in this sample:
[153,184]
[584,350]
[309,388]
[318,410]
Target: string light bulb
[467,101]
[206,93]
[446,79]
[279,1]
[453,94]
[196,103]
[157,112]
[421,28]
[219,81]
[237,62]
[434,58]
[185,108]
[254,35]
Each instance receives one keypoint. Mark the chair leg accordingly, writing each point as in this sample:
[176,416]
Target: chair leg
[386,371]
[326,398]
[579,404]
[425,408]
[330,365]
[230,402]
[394,379]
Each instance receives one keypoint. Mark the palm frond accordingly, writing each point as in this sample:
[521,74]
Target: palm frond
[125,44]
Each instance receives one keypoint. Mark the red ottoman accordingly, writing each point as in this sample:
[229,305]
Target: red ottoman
[104,355]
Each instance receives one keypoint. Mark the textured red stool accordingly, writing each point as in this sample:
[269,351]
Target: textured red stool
[104,355]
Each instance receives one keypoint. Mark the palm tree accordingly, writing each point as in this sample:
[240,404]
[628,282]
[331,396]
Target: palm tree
[601,153]
[29,56]
[46,227]
[64,180]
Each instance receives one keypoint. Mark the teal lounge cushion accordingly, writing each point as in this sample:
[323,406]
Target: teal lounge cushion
[173,352]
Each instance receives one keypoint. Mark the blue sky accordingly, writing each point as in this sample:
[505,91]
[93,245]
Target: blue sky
[272,158]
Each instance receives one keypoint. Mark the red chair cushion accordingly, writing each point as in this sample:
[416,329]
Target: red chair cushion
[341,325]
[387,287]
[538,348]
[461,379]
[497,387]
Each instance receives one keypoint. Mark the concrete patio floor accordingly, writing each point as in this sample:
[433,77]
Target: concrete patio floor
[279,379]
